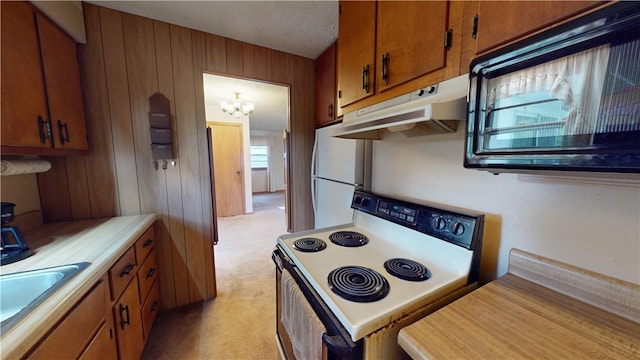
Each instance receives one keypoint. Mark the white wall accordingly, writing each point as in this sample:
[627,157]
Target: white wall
[593,226]
[276,156]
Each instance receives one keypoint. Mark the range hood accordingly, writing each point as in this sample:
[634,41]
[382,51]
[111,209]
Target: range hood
[434,109]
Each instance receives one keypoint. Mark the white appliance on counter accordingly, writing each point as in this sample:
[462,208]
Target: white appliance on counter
[338,167]
[361,282]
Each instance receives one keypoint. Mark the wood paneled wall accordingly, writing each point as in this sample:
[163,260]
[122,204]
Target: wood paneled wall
[126,59]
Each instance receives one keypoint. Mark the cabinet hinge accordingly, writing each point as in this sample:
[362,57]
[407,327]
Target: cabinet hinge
[448,39]
[339,94]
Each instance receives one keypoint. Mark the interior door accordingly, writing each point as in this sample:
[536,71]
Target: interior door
[228,157]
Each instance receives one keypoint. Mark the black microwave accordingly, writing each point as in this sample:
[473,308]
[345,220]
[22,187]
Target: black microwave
[566,99]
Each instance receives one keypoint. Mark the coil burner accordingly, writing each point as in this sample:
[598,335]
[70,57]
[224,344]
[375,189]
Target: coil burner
[348,238]
[407,269]
[309,244]
[358,283]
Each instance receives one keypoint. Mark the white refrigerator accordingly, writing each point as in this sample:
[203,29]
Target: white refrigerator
[339,166]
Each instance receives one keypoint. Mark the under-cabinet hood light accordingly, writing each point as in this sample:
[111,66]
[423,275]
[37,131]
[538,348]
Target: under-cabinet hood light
[430,110]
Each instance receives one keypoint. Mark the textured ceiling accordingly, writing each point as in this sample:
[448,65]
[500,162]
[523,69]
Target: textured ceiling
[271,101]
[304,28]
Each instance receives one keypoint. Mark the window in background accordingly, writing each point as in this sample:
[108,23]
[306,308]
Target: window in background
[259,157]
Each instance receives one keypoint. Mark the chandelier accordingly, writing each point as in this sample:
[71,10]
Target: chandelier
[235,107]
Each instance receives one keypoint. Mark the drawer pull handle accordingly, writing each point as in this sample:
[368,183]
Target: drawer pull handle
[127,270]
[43,128]
[63,131]
[365,78]
[124,310]
[385,68]
[147,243]
[151,272]
[154,306]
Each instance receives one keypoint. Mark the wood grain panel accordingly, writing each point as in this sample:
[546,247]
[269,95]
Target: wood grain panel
[78,188]
[234,57]
[206,247]
[278,67]
[100,170]
[248,57]
[54,191]
[128,58]
[182,57]
[262,63]
[216,53]
[171,231]
[119,110]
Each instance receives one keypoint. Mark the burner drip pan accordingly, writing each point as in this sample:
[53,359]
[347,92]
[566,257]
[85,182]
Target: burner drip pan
[407,269]
[348,238]
[309,244]
[358,283]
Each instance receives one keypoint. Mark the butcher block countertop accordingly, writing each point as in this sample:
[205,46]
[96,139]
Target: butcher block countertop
[541,309]
[100,242]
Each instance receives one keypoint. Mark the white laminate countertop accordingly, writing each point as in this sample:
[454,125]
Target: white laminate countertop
[100,242]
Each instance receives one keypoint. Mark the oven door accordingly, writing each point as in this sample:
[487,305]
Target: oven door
[336,342]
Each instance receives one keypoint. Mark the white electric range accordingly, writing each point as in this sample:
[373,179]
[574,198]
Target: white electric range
[393,264]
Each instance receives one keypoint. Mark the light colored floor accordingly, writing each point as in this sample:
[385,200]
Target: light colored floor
[240,322]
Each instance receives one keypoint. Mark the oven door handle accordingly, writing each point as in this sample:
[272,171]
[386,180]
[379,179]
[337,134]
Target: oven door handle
[336,345]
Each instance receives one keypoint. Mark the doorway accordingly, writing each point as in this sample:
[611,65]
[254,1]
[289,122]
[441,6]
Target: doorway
[263,126]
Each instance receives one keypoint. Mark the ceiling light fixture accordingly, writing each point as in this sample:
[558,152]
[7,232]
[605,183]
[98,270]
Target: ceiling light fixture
[235,107]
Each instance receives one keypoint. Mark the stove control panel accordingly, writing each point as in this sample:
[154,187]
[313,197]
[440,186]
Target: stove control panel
[453,226]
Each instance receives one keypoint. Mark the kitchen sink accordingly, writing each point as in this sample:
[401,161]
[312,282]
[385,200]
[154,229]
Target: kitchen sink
[22,292]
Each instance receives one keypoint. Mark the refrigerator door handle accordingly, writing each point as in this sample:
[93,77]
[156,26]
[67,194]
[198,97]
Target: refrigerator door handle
[313,174]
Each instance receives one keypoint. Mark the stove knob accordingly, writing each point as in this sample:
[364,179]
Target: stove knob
[441,223]
[365,202]
[458,229]
[357,200]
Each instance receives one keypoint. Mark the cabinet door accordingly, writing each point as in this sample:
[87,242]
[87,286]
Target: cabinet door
[23,96]
[103,345]
[356,51]
[500,22]
[64,92]
[326,87]
[411,34]
[150,309]
[69,339]
[128,323]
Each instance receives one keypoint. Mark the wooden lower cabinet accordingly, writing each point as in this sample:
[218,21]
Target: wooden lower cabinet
[86,325]
[128,323]
[136,296]
[103,345]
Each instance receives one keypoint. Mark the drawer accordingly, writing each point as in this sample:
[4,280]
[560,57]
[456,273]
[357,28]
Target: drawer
[145,244]
[150,309]
[122,272]
[72,335]
[147,275]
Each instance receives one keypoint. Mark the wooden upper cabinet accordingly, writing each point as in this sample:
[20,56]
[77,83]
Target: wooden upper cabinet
[64,92]
[410,40]
[23,94]
[42,109]
[356,51]
[500,22]
[326,87]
